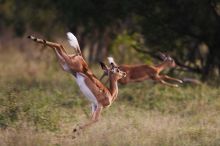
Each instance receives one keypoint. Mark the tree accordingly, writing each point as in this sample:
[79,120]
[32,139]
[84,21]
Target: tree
[176,26]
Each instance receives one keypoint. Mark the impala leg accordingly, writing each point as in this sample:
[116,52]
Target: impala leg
[60,59]
[47,43]
[160,79]
[94,118]
[59,49]
[166,83]
[170,78]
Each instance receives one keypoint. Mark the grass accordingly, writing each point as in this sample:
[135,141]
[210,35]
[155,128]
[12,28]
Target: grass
[40,105]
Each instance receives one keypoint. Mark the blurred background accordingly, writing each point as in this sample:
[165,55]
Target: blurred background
[40,104]
[186,29]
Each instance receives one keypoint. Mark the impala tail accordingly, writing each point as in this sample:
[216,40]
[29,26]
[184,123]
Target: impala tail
[74,42]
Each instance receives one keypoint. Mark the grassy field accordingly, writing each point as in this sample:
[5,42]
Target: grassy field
[40,105]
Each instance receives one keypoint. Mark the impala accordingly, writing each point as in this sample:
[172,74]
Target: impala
[98,95]
[138,73]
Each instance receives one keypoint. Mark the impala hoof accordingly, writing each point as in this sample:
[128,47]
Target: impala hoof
[31,37]
[76,131]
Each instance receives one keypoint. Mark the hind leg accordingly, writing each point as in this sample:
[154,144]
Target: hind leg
[63,58]
[59,49]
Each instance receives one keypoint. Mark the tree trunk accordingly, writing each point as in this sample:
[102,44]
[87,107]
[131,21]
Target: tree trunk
[213,58]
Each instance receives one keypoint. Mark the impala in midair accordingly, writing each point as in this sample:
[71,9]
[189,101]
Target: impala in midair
[98,94]
[138,73]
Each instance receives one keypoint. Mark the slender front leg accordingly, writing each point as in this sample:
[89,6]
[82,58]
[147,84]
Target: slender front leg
[94,118]
[160,79]
[170,78]
[169,84]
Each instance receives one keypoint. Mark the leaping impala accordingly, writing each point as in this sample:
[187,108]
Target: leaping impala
[98,95]
[138,73]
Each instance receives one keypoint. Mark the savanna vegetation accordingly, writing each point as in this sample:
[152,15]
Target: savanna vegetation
[40,104]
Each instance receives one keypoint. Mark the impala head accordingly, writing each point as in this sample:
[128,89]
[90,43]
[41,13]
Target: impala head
[114,72]
[166,58]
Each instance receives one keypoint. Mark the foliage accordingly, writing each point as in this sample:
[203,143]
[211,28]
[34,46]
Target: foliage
[122,49]
[176,26]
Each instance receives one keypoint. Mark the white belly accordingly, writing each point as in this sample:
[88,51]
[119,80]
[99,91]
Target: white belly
[80,79]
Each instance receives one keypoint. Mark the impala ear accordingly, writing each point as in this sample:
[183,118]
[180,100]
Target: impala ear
[103,66]
[112,65]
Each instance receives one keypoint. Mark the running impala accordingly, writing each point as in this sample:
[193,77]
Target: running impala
[138,73]
[99,95]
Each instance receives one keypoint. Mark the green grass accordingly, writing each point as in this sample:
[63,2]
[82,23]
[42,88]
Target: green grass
[40,105]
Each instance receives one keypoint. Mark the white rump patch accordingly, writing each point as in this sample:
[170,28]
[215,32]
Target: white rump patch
[80,79]
[72,40]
